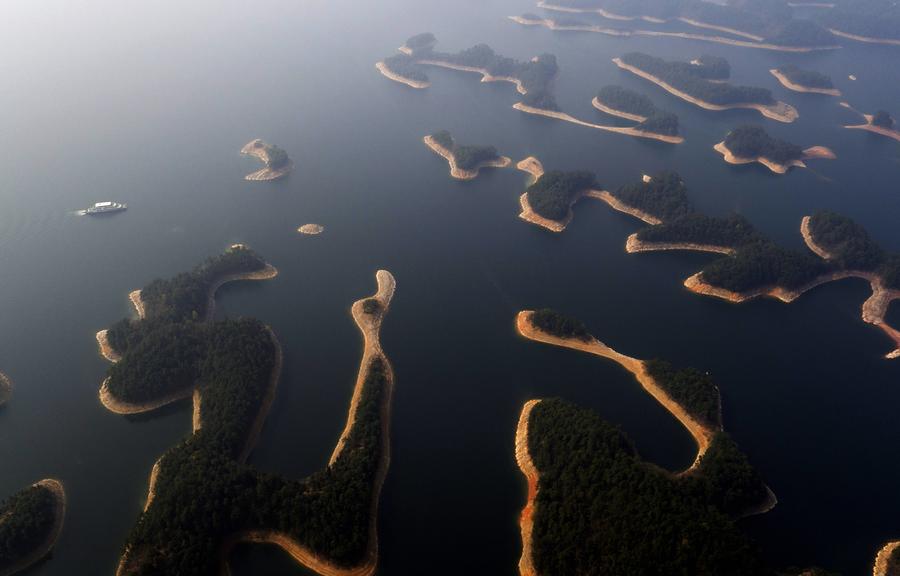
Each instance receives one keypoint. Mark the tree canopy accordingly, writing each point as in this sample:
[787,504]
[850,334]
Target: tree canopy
[27,520]
[555,191]
[751,141]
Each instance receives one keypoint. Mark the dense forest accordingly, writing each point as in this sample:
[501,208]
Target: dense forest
[883,119]
[871,18]
[631,102]
[689,387]
[555,191]
[753,141]
[601,510]
[560,325]
[689,78]
[466,157]
[730,231]
[203,493]
[664,196]
[807,78]
[406,66]
[26,520]
[764,263]
[277,156]
[421,43]
[852,248]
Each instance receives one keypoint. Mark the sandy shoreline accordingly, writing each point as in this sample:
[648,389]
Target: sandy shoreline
[617,129]
[613,112]
[59,494]
[526,466]
[881,560]
[311,229]
[800,88]
[779,111]
[702,434]
[388,73]
[635,245]
[266,273]
[601,12]
[455,170]
[485,75]
[869,127]
[867,39]
[256,148]
[725,29]
[810,242]
[617,204]
[535,169]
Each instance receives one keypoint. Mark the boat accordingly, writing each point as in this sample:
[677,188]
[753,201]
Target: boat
[105,208]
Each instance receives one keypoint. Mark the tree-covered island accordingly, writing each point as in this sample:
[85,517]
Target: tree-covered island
[691,81]
[751,143]
[552,195]
[632,105]
[664,196]
[419,44]
[30,523]
[465,160]
[801,80]
[203,498]
[874,21]
[278,164]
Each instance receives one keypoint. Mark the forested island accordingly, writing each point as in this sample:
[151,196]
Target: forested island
[693,82]
[850,247]
[873,21]
[325,521]
[403,68]
[6,389]
[800,80]
[548,201]
[30,523]
[663,197]
[748,144]
[631,105]
[881,123]
[278,165]
[465,160]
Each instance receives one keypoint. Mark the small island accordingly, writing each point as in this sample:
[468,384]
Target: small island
[869,21]
[749,144]
[278,165]
[6,389]
[30,524]
[231,368]
[630,105]
[799,80]
[694,83]
[465,161]
[549,199]
[311,229]
[881,123]
[424,42]
[402,68]
[589,492]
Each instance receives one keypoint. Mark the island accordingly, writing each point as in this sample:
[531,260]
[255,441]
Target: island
[654,199]
[881,123]
[548,200]
[465,161]
[311,229]
[277,163]
[630,105]
[231,368]
[752,144]
[419,43]
[589,493]
[6,389]
[402,68]
[30,524]
[691,83]
[799,80]
[887,562]
[869,21]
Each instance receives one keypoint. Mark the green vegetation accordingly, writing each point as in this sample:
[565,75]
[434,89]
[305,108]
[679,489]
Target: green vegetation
[664,196]
[799,33]
[554,192]
[203,493]
[711,67]
[372,306]
[871,18]
[883,120]
[807,78]
[557,324]
[754,141]
[421,42]
[28,518]
[690,388]
[730,232]
[277,157]
[601,510]
[690,78]
[631,102]
[852,248]
[466,157]
[405,66]
[762,264]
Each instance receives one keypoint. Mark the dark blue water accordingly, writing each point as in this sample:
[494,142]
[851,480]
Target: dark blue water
[150,104]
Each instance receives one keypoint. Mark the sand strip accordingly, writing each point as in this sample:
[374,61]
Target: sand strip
[869,127]
[867,39]
[526,466]
[617,129]
[455,170]
[800,88]
[634,245]
[617,204]
[485,75]
[257,149]
[388,73]
[725,29]
[881,560]
[618,113]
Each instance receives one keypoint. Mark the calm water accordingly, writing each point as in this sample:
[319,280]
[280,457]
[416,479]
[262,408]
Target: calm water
[150,104]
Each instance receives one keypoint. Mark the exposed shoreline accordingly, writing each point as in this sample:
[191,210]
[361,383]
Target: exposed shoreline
[600,11]
[779,111]
[701,433]
[786,82]
[884,555]
[6,388]
[867,39]
[717,28]
[869,127]
[311,229]
[620,206]
[618,113]
[485,75]
[635,245]
[526,466]
[58,491]
[617,129]
[257,149]
[535,169]
[390,74]
[455,170]
[815,152]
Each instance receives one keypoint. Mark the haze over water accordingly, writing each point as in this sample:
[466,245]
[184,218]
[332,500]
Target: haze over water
[149,105]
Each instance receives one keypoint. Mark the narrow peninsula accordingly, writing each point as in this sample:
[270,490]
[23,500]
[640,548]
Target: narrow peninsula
[629,105]
[277,163]
[752,144]
[868,21]
[699,83]
[465,161]
[231,368]
[30,524]
[549,198]
[881,123]
[589,492]
[799,80]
